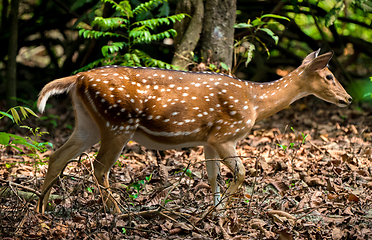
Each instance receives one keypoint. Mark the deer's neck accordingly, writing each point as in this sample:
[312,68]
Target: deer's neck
[270,98]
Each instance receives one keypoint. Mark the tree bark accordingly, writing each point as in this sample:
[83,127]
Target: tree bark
[11,83]
[218,31]
[188,31]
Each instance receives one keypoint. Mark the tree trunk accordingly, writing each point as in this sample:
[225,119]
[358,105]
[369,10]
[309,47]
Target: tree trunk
[188,31]
[12,55]
[218,31]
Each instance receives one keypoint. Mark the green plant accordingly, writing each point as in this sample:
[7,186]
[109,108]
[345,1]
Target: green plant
[187,172]
[128,33]
[35,144]
[214,68]
[12,140]
[292,146]
[90,190]
[14,116]
[138,186]
[244,47]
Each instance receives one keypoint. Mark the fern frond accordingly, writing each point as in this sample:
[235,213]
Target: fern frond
[124,7]
[86,33]
[112,48]
[131,59]
[147,6]
[140,35]
[109,22]
[155,22]
[166,34]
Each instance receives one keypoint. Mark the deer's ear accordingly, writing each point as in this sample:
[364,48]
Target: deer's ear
[310,57]
[320,62]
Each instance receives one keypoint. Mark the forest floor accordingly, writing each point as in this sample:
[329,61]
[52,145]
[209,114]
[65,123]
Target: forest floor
[321,189]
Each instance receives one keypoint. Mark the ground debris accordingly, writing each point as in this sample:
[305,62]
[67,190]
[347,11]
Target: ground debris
[319,189]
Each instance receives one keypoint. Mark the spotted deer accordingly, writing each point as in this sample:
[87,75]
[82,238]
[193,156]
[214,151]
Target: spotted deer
[166,109]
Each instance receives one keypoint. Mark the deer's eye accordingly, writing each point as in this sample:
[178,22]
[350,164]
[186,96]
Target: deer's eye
[329,77]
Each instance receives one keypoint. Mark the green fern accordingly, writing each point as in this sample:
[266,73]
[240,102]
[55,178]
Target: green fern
[97,34]
[123,47]
[109,22]
[147,6]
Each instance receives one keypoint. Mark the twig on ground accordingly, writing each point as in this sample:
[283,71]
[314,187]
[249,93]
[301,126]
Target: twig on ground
[21,186]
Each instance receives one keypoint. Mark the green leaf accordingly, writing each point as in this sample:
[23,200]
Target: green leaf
[4,138]
[271,34]
[15,115]
[16,136]
[112,48]
[24,113]
[7,115]
[123,7]
[148,179]
[155,22]
[257,22]
[284,147]
[26,144]
[135,58]
[167,201]
[49,144]
[243,25]
[97,34]
[89,190]
[134,196]
[304,137]
[224,66]
[334,13]
[30,111]
[188,172]
[112,23]
[274,16]
[291,145]
[250,50]
[147,6]
[15,147]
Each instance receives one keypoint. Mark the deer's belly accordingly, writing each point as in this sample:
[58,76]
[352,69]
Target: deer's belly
[149,143]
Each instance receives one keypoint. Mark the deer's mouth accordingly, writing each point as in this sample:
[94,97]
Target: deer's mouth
[344,102]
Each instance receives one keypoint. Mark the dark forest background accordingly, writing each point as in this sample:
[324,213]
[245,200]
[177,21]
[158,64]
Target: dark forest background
[40,41]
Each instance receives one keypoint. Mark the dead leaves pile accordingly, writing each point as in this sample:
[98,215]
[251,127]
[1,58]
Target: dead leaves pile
[321,189]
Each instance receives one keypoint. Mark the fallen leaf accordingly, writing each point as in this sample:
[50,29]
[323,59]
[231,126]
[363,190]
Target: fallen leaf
[337,234]
[353,197]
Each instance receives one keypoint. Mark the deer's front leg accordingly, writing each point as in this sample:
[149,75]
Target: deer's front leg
[213,170]
[227,152]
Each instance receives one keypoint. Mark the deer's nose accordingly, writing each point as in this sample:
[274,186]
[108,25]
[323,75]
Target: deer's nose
[350,99]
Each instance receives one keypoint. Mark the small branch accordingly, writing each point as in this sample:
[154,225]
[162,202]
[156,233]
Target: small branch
[37,193]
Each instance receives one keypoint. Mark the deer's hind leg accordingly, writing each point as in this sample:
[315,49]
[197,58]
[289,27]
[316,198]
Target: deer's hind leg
[111,146]
[84,136]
